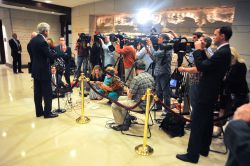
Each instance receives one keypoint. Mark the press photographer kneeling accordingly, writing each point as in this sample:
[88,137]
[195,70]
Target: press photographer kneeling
[138,87]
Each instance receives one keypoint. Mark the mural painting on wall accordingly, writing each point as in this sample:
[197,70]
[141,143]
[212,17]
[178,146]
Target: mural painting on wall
[183,21]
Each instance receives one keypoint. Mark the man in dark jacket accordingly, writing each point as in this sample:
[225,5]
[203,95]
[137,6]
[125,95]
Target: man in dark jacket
[33,34]
[16,50]
[64,52]
[213,70]
[40,54]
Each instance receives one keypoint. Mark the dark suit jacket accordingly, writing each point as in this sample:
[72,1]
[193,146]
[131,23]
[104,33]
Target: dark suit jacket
[59,82]
[14,47]
[65,55]
[39,50]
[213,70]
[237,139]
[29,49]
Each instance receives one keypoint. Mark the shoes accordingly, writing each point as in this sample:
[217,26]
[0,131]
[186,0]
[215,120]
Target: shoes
[39,115]
[20,72]
[132,118]
[51,115]
[205,154]
[186,158]
[109,102]
[120,128]
[59,111]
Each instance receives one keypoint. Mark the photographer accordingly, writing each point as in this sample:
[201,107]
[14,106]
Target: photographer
[213,70]
[108,55]
[140,83]
[129,54]
[82,47]
[145,55]
[96,51]
[162,71]
[64,52]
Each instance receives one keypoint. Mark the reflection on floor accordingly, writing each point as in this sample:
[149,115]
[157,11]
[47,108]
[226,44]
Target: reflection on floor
[29,141]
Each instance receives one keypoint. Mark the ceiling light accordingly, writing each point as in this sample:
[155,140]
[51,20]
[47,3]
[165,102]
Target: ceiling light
[143,16]
[47,1]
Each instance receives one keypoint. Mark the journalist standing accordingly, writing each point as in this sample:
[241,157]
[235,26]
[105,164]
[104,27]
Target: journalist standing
[16,50]
[109,59]
[213,70]
[162,71]
[83,51]
[64,52]
[40,53]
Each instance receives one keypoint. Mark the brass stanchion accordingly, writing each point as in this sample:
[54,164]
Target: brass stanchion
[144,149]
[82,119]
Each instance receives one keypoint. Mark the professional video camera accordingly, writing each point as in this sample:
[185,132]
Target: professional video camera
[182,44]
[115,37]
[99,36]
[84,38]
[166,45]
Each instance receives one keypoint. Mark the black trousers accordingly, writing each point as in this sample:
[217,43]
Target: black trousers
[67,76]
[201,129]
[17,63]
[42,90]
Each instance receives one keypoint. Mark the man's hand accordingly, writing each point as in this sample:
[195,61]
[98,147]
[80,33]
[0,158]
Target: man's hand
[181,69]
[243,113]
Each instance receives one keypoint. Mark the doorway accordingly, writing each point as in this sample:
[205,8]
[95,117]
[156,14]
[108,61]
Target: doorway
[2,53]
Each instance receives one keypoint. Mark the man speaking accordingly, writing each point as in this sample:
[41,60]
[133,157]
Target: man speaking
[40,53]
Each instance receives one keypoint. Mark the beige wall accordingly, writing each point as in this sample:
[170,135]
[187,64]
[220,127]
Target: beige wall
[23,23]
[81,21]
[81,16]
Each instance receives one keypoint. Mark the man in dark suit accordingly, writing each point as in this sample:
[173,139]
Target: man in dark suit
[33,34]
[237,137]
[56,82]
[40,54]
[64,52]
[16,50]
[213,70]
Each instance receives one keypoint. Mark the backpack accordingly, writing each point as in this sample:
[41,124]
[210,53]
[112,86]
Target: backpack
[172,125]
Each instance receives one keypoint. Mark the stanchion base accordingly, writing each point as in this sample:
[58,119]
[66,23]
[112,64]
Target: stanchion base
[82,120]
[144,151]
[59,111]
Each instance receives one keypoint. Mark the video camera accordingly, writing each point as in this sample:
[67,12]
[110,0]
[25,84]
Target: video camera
[84,38]
[182,44]
[166,45]
[99,36]
[115,37]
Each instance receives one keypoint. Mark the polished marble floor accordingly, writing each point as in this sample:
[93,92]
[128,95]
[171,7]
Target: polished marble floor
[29,141]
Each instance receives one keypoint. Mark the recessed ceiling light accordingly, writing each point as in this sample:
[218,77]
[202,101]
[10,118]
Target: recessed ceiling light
[53,12]
[47,1]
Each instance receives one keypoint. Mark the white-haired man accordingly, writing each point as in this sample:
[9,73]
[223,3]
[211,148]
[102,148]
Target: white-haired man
[40,54]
